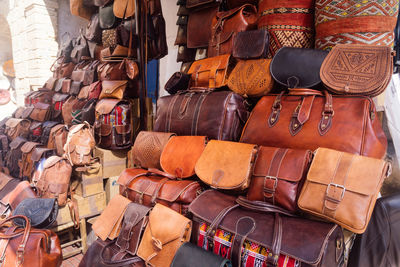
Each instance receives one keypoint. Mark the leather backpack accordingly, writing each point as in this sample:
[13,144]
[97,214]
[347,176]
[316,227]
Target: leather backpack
[14,155]
[47,126]
[58,104]
[16,128]
[66,46]
[88,111]
[80,50]
[26,162]
[35,131]
[58,138]
[93,30]
[79,145]
[67,109]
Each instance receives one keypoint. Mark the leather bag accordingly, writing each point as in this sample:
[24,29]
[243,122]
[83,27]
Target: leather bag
[81,48]
[58,138]
[147,149]
[47,126]
[107,19]
[250,44]
[163,237]
[67,109]
[76,111]
[66,86]
[63,69]
[66,45]
[230,4]
[26,163]
[357,69]
[93,30]
[94,90]
[14,155]
[113,89]
[17,127]
[151,187]
[54,180]
[41,212]
[112,71]
[180,155]
[279,239]
[75,88]
[14,192]
[35,131]
[88,111]
[278,176]
[39,154]
[222,117]
[40,112]
[26,246]
[343,187]
[179,81]
[50,83]
[124,8]
[226,165]
[185,54]
[251,78]
[79,9]
[308,119]
[226,23]
[79,145]
[194,4]
[58,86]
[200,19]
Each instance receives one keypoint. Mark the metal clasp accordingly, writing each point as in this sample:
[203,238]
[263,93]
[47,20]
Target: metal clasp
[268,190]
[336,186]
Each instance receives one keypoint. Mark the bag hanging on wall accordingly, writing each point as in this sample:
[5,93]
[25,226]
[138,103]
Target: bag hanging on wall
[66,45]
[81,48]
[107,19]
[93,30]
[124,8]
[114,89]
[62,69]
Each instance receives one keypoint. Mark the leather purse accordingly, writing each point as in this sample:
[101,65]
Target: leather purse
[297,67]
[79,145]
[191,255]
[26,246]
[124,8]
[211,72]
[180,154]
[26,163]
[89,111]
[115,71]
[278,176]
[93,30]
[162,238]
[357,69]
[58,105]
[14,155]
[66,45]
[85,72]
[268,236]
[81,49]
[40,112]
[41,212]
[47,126]
[94,90]
[79,9]
[151,187]
[200,19]
[55,179]
[250,44]
[35,131]
[50,83]
[178,82]
[226,165]
[251,78]
[17,127]
[107,19]
[66,86]
[63,69]
[347,123]
[226,23]
[343,188]
[113,89]
[83,93]
[181,114]
[147,149]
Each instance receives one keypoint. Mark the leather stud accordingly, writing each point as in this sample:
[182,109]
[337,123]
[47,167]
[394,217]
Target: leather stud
[213,232]
[296,125]
[272,119]
[323,126]
[326,117]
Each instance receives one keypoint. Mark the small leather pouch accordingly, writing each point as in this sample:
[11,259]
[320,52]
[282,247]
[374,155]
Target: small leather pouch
[226,165]
[178,82]
[250,44]
[180,155]
[66,86]
[185,54]
[162,238]
[343,188]
[50,83]
[297,67]
[41,212]
[113,89]
[357,69]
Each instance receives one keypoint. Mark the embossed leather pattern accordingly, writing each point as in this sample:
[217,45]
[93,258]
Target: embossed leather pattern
[250,44]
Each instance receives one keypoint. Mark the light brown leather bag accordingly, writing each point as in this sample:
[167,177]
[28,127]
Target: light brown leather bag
[124,8]
[40,112]
[211,72]
[58,138]
[26,163]
[147,149]
[78,9]
[165,232]
[181,154]
[80,144]
[113,89]
[17,127]
[67,109]
[343,187]
[226,165]
[357,69]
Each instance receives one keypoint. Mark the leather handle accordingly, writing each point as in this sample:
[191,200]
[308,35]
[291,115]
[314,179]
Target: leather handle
[261,206]
[304,92]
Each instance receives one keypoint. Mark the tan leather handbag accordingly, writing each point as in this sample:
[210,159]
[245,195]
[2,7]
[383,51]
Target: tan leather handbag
[226,165]
[343,187]
[181,154]
[124,8]
[78,9]
[251,78]
[17,127]
[80,144]
[165,232]
[58,138]
[113,89]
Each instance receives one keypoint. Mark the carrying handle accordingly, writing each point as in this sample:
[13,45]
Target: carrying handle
[261,206]
[304,92]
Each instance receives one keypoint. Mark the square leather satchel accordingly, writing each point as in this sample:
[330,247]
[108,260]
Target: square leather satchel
[343,187]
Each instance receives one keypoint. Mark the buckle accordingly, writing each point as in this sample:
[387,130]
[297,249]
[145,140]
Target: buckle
[336,186]
[268,190]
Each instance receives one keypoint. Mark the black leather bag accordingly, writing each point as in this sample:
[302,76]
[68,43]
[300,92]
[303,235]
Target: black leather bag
[178,82]
[80,50]
[42,212]
[14,155]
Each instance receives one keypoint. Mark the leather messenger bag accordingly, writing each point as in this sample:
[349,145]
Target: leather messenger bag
[308,119]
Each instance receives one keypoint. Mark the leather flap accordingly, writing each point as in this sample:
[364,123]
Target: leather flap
[34,125]
[28,146]
[38,211]
[123,129]
[223,37]
[82,150]
[226,165]
[50,83]
[51,161]
[17,142]
[38,153]
[218,63]
[84,92]
[12,122]
[181,153]
[110,86]
[198,3]
[105,106]
[257,40]
[60,97]
[362,175]
[105,129]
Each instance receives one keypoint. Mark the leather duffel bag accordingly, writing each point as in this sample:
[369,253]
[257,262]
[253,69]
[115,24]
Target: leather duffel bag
[308,119]
[151,187]
[251,235]
[216,114]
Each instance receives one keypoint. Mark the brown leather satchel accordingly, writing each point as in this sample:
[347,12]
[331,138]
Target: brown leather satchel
[58,105]
[113,89]
[251,78]
[67,109]
[357,69]
[278,176]
[26,162]
[54,180]
[27,246]
[13,193]
[14,155]
[162,238]
[211,72]
[35,131]
[200,19]
[147,149]
[151,187]
[226,23]
[343,188]
[17,127]
[66,86]
[250,44]
[110,71]
[50,83]
[63,70]
[226,165]
[308,119]
[80,144]
[58,138]
[40,112]
[181,153]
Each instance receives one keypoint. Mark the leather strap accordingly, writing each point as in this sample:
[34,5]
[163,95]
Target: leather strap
[244,226]
[196,113]
[276,110]
[301,114]
[261,206]
[117,263]
[327,115]
[271,179]
[273,255]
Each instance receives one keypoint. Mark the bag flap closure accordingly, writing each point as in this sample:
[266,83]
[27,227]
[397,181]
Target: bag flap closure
[28,146]
[38,210]
[357,174]
[198,3]
[256,39]
[111,86]
[17,142]
[51,161]
[60,97]
[223,37]
[84,92]
[34,125]
[12,122]
[93,86]
[41,105]
[207,64]
[181,153]
[38,153]
[105,106]
[82,150]
[226,165]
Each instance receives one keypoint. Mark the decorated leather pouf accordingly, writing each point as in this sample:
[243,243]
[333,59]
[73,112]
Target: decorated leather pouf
[289,23]
[355,22]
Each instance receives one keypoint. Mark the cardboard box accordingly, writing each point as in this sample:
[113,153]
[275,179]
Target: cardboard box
[90,183]
[111,188]
[112,161]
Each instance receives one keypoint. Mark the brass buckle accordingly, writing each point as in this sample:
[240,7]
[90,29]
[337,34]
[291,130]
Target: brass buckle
[336,186]
[271,191]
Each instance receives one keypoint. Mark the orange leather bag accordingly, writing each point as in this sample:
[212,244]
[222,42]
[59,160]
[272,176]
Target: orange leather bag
[124,8]
[343,188]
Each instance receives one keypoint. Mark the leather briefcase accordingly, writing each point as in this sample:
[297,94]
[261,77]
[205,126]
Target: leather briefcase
[226,165]
[307,119]
[343,187]
[14,155]
[26,162]
[151,187]
[358,69]
[181,114]
[200,19]
[35,131]
[41,212]
[17,127]
[278,176]
[147,149]
[265,237]
[79,145]
[250,44]
[226,23]
[180,155]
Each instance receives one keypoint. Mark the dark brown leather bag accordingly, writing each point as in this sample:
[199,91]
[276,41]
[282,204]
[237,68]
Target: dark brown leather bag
[47,126]
[26,162]
[308,119]
[35,131]
[216,114]
[200,19]
[250,44]
[62,69]
[230,4]
[89,111]
[16,128]
[112,71]
[226,23]
[14,155]
[151,187]
[58,105]
[93,30]
[67,109]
